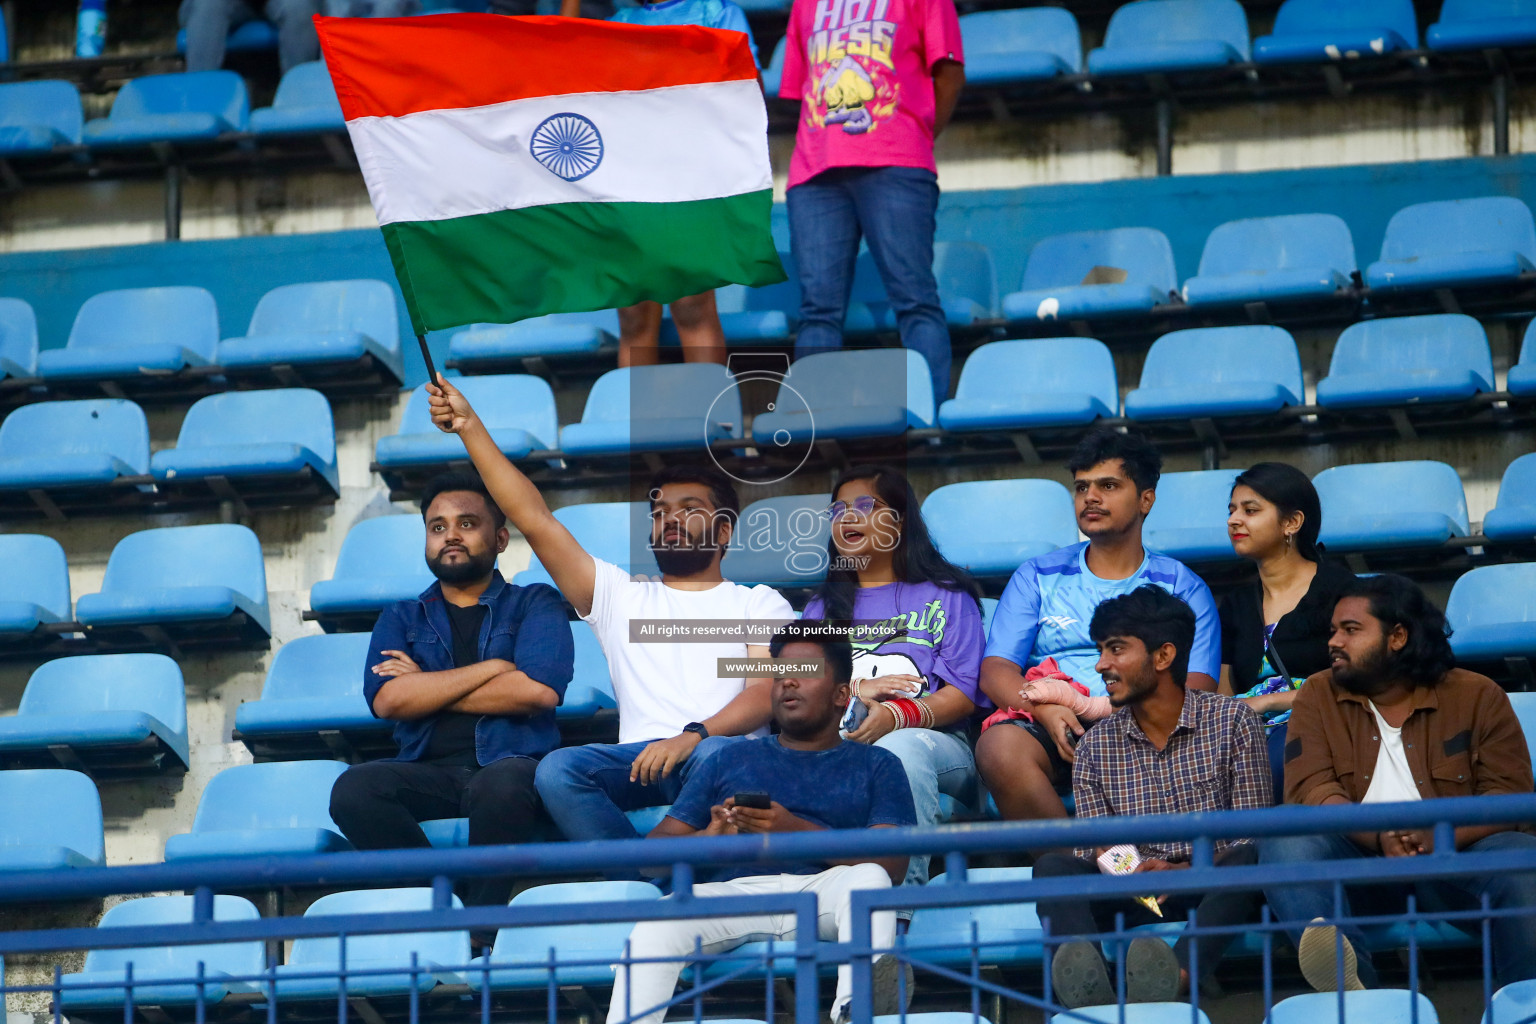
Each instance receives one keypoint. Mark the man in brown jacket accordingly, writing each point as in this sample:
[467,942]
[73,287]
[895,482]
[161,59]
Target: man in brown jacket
[1394,721]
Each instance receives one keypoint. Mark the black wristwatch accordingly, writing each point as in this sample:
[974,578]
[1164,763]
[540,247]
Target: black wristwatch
[698,729]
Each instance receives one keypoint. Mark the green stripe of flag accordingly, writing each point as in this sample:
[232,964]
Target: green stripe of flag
[512,264]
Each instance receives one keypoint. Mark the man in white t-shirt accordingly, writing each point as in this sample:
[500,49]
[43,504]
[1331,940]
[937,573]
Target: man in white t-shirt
[673,704]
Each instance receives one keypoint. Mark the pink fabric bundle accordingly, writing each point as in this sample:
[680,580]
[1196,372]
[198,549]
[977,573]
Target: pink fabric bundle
[1046,683]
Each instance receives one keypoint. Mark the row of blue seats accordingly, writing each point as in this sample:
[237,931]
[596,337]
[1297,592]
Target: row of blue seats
[1150,36]
[133,333]
[1487,242]
[1020,385]
[196,579]
[44,117]
[268,448]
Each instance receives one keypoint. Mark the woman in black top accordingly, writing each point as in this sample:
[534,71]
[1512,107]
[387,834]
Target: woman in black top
[1275,634]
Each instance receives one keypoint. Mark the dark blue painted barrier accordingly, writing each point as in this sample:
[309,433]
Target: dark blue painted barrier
[803,958]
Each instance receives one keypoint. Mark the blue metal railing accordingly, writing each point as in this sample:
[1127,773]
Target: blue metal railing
[803,958]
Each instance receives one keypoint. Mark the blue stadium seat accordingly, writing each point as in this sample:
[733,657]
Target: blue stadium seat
[1514,1002]
[314,687]
[305,103]
[67,836]
[644,819]
[848,395]
[671,407]
[773,74]
[1455,243]
[991,527]
[1135,1013]
[333,323]
[447,833]
[1482,25]
[558,334]
[134,332]
[184,580]
[1512,520]
[1427,505]
[1322,30]
[281,438]
[1523,703]
[38,117]
[781,542]
[1025,45]
[1273,259]
[35,586]
[1127,271]
[438,954]
[268,809]
[590,690]
[1407,360]
[18,338]
[119,714]
[51,446]
[254,36]
[1010,932]
[988,609]
[1522,376]
[1252,370]
[382,561]
[758,315]
[967,289]
[601,944]
[1189,519]
[518,410]
[1380,1004]
[1492,610]
[192,106]
[222,962]
[615,531]
[1024,385]
[1149,36]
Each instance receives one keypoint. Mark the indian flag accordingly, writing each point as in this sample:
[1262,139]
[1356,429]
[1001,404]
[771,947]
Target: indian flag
[522,166]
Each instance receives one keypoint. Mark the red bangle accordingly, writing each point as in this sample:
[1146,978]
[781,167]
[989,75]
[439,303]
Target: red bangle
[910,713]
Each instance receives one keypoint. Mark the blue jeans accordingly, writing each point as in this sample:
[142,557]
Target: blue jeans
[935,762]
[372,8]
[892,208]
[587,789]
[1514,938]
[209,23]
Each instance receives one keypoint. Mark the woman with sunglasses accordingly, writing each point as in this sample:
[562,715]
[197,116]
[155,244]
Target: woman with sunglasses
[917,638]
[1274,633]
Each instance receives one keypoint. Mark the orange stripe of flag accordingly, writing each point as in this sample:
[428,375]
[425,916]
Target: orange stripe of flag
[386,67]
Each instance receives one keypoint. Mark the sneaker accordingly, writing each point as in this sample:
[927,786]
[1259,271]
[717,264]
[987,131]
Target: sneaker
[1079,976]
[1318,952]
[1151,972]
[885,973]
[892,977]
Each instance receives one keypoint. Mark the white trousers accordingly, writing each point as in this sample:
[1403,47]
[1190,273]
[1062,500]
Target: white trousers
[640,987]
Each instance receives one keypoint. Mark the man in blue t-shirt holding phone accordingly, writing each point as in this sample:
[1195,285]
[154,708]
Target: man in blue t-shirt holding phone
[805,779]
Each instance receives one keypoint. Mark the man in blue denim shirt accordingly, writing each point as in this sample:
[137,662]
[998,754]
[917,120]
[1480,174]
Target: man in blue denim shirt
[470,672]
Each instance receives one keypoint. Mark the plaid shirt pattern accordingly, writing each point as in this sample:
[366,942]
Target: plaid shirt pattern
[1215,760]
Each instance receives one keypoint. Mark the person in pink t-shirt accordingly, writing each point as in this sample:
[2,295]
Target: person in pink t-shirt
[877,80]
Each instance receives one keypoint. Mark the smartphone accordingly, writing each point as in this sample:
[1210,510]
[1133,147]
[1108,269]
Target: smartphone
[756,801]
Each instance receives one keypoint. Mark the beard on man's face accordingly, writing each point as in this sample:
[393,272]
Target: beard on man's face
[1366,675]
[467,570]
[1134,688]
[682,552]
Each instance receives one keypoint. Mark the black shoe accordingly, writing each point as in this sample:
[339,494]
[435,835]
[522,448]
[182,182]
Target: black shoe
[1151,972]
[1079,976]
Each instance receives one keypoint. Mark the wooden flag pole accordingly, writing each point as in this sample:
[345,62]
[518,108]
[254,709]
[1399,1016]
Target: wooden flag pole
[426,357]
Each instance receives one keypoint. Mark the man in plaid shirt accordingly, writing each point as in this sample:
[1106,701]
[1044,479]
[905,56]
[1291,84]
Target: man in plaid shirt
[1165,750]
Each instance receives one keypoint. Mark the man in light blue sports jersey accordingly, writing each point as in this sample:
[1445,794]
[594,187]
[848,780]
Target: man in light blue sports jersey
[1026,761]
[695,316]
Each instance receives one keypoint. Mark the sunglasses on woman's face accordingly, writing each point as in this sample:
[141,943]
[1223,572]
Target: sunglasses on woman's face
[864,504]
